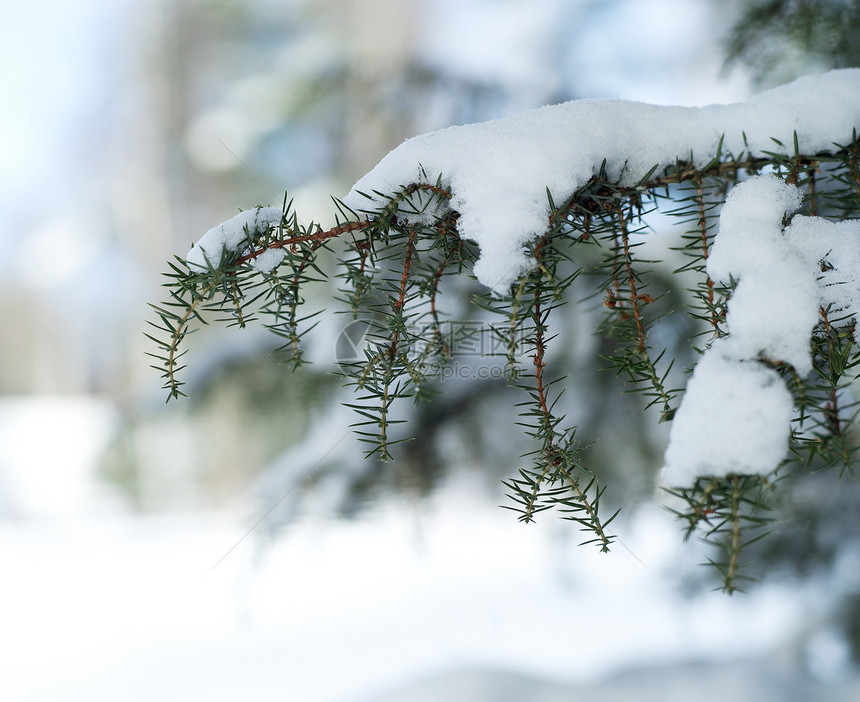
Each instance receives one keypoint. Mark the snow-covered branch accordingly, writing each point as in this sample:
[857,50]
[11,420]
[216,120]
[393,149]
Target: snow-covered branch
[768,193]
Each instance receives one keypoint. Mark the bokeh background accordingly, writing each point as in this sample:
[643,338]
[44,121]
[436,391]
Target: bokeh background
[234,545]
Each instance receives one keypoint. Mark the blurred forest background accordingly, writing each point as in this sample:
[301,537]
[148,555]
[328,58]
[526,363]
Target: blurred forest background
[132,127]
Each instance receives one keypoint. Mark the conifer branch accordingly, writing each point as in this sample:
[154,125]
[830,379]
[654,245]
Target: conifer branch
[176,326]
[292,242]
[555,478]
[394,259]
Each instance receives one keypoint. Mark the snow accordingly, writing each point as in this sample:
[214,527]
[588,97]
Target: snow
[48,450]
[735,415]
[734,418]
[105,604]
[832,251]
[499,171]
[125,608]
[775,306]
[268,260]
[231,236]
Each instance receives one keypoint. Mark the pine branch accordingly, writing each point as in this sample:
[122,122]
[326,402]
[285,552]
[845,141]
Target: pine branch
[396,255]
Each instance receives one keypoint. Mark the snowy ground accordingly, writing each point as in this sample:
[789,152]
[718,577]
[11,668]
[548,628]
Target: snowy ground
[449,599]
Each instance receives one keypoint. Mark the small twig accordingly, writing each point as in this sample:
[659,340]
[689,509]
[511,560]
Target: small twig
[831,409]
[404,283]
[703,228]
[631,280]
[735,548]
[317,236]
[813,196]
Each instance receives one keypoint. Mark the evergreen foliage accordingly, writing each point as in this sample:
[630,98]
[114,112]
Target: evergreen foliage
[393,268]
[771,36]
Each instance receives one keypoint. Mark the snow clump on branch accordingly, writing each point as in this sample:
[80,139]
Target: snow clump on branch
[735,417]
[234,235]
[499,171]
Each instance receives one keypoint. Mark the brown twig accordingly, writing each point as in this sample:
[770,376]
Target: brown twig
[721,168]
[434,291]
[436,190]
[317,236]
[635,298]
[294,289]
[540,345]
[735,544]
[703,228]
[831,409]
[813,196]
[404,282]
[854,164]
